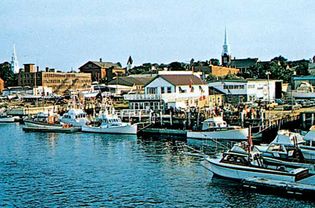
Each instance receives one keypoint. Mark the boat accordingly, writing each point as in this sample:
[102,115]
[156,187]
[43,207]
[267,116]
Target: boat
[42,120]
[56,128]
[75,117]
[5,118]
[239,164]
[308,148]
[217,128]
[285,150]
[110,123]
[8,119]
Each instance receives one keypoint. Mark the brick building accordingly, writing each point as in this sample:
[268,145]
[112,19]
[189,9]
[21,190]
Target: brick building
[102,71]
[60,82]
[221,71]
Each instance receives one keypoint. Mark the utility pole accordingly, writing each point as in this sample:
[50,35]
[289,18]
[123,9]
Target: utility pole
[268,73]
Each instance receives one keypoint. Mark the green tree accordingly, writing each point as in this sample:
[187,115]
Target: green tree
[214,62]
[7,74]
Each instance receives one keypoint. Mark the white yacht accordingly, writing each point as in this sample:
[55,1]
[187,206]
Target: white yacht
[217,128]
[110,124]
[75,117]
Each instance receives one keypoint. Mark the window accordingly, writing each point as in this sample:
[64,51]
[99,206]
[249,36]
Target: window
[151,90]
[169,90]
[162,90]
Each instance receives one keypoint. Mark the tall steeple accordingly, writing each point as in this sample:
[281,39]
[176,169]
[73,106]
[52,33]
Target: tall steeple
[225,45]
[14,62]
[225,56]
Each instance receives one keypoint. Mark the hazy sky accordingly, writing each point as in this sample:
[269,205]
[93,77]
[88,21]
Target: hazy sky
[65,34]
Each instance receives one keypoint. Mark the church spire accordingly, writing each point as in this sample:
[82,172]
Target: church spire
[225,56]
[225,45]
[14,62]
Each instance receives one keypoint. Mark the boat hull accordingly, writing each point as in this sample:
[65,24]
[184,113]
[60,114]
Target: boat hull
[233,134]
[238,172]
[51,129]
[8,119]
[128,129]
[308,153]
[29,123]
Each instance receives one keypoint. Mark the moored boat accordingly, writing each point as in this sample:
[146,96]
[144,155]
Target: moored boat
[286,150]
[217,128]
[110,124]
[56,128]
[237,164]
[75,117]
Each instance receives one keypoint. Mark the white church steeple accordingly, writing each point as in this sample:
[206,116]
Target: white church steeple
[14,62]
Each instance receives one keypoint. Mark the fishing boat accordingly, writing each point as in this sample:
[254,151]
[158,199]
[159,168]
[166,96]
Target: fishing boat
[110,123]
[66,128]
[285,150]
[238,164]
[308,148]
[75,117]
[217,128]
[8,119]
[42,120]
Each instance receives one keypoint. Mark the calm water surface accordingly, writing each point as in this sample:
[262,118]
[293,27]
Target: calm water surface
[71,170]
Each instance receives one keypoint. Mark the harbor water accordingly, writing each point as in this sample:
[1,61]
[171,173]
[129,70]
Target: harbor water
[71,170]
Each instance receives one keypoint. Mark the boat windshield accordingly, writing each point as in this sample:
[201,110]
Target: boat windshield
[235,159]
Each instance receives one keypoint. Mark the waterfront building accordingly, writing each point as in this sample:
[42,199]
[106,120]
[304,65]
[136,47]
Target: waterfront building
[216,98]
[172,90]
[249,90]
[102,71]
[130,84]
[60,82]
[1,85]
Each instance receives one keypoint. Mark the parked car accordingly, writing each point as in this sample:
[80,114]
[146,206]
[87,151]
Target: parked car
[295,106]
[279,101]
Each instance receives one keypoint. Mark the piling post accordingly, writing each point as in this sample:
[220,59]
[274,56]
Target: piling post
[303,120]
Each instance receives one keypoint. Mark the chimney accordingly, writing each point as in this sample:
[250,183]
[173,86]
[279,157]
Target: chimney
[100,59]
[46,69]
[37,68]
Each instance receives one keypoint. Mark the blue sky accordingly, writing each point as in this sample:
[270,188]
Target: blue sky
[66,34]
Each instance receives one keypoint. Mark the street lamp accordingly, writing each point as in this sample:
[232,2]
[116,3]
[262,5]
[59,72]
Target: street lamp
[268,73]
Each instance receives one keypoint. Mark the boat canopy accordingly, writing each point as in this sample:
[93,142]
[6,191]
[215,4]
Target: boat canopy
[310,136]
[214,122]
[288,138]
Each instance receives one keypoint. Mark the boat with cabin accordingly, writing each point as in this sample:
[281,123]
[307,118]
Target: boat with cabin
[286,150]
[217,128]
[308,148]
[74,117]
[110,123]
[239,164]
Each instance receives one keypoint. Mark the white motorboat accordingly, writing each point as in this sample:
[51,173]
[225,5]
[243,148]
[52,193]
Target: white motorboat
[8,119]
[75,117]
[308,148]
[288,149]
[217,128]
[110,124]
[238,164]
